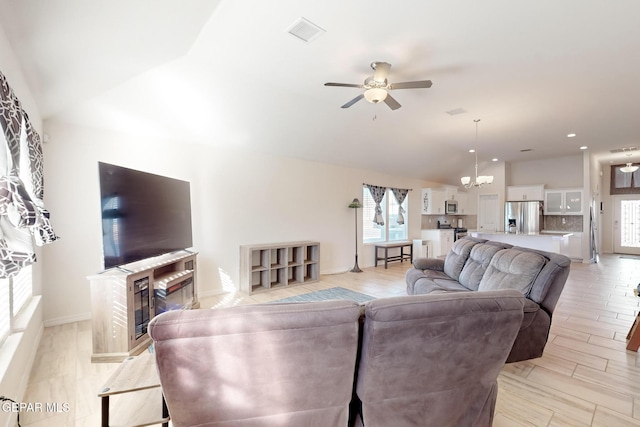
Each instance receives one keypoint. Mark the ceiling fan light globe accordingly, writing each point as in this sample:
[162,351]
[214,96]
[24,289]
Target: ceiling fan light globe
[489,179]
[375,95]
[465,180]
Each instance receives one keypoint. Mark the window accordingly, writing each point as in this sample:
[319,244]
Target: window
[624,182]
[5,313]
[15,293]
[391,230]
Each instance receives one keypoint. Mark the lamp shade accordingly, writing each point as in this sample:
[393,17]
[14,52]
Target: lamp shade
[375,95]
[355,204]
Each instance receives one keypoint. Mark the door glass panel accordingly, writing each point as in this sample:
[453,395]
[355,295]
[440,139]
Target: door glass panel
[630,223]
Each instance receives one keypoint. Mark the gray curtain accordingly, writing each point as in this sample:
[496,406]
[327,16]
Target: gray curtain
[23,218]
[378,194]
[400,194]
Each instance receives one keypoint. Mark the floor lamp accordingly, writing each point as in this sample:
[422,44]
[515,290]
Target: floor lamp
[356,204]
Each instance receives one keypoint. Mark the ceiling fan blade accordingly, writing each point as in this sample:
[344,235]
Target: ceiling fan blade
[411,85]
[353,101]
[391,102]
[344,85]
[381,71]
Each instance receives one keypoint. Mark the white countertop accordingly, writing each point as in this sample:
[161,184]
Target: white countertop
[552,234]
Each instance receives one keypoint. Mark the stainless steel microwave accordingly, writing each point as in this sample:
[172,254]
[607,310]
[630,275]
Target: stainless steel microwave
[450,207]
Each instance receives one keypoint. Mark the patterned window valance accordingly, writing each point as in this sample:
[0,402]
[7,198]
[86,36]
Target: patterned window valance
[23,218]
[400,194]
[378,193]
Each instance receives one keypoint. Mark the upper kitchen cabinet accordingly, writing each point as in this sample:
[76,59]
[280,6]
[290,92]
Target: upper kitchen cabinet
[563,202]
[518,193]
[466,204]
[433,201]
[450,193]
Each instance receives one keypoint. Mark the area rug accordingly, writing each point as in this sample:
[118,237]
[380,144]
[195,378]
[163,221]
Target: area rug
[329,294]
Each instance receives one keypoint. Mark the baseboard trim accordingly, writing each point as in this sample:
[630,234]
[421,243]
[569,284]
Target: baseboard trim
[212,293]
[67,319]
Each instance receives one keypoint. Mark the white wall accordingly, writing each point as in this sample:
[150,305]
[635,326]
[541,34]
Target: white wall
[238,197]
[560,172]
[18,352]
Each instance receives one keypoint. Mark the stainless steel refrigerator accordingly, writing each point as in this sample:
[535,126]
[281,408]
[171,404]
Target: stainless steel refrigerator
[523,217]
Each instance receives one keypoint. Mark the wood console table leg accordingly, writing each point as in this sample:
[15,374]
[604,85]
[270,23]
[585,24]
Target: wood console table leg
[633,337]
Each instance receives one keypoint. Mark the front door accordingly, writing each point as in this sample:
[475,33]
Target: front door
[488,212]
[626,224]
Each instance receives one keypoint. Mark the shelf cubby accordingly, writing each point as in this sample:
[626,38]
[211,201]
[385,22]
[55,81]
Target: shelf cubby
[278,265]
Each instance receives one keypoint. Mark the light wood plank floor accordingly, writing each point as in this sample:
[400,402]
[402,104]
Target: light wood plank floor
[586,376]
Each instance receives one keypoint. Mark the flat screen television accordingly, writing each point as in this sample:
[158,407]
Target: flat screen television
[143,214]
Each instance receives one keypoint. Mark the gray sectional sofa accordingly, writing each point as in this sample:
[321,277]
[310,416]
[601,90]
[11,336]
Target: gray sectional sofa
[481,265]
[424,360]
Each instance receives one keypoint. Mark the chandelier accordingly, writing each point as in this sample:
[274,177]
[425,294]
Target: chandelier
[480,180]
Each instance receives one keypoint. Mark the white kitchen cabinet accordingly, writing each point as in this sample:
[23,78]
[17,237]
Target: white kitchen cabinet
[450,193]
[516,193]
[433,201]
[563,202]
[463,203]
[467,204]
[441,240]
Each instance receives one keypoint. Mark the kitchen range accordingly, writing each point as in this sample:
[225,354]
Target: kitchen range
[458,232]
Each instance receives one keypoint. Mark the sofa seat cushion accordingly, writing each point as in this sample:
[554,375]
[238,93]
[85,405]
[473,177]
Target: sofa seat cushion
[433,275]
[427,286]
[512,269]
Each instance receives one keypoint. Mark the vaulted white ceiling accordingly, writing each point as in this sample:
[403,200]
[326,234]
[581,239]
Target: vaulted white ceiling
[227,73]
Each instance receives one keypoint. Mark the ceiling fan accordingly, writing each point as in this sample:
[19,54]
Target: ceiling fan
[377,87]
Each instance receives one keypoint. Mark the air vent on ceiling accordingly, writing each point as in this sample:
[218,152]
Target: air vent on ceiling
[305,30]
[624,150]
[525,150]
[456,111]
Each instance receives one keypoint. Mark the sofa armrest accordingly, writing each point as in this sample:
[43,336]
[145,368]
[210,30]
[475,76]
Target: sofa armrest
[436,264]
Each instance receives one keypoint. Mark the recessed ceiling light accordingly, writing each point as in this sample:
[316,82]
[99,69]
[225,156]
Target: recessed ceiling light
[472,151]
[571,135]
[584,147]
[495,159]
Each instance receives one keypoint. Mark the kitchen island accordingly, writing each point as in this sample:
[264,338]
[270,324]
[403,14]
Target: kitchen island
[557,242]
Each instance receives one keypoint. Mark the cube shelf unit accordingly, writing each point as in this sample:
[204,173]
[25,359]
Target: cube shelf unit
[278,265]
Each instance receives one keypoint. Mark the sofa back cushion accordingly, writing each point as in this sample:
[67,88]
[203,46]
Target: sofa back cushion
[258,365]
[433,360]
[457,257]
[475,267]
[512,269]
[549,284]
